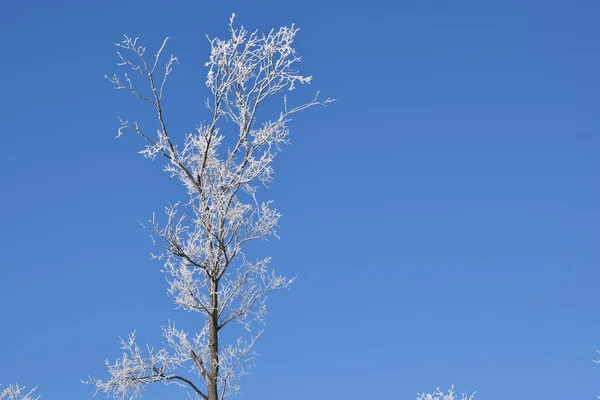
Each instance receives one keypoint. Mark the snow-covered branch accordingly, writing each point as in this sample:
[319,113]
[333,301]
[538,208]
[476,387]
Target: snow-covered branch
[450,395]
[16,392]
[136,367]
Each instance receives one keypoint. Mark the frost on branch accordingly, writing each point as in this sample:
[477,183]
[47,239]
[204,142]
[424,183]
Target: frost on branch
[16,392]
[202,242]
[439,395]
[137,367]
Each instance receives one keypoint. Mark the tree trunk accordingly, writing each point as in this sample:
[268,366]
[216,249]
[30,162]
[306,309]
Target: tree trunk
[213,342]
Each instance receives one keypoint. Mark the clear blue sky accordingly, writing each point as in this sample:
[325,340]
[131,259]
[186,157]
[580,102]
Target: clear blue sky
[442,218]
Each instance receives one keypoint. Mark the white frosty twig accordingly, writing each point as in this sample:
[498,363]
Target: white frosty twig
[450,395]
[16,392]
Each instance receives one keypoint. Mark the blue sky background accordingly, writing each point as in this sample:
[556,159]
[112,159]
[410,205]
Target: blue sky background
[442,217]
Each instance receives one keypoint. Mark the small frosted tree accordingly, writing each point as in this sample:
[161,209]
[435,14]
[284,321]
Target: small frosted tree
[204,237]
[439,395]
[16,392]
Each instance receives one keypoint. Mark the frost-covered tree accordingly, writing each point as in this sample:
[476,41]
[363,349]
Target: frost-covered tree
[439,395]
[16,392]
[221,164]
